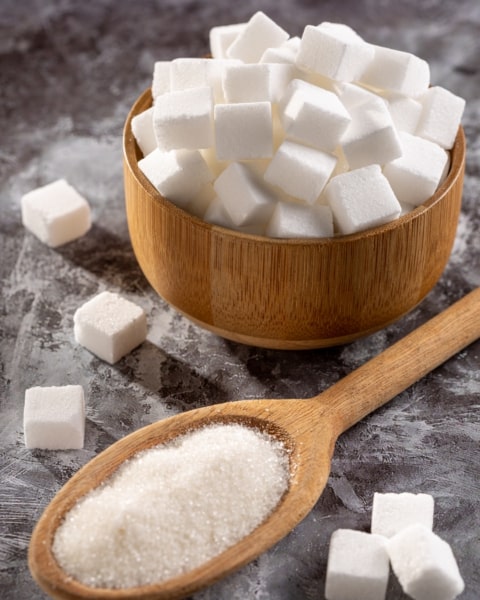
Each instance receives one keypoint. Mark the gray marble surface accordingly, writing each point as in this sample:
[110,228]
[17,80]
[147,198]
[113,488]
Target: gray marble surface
[69,72]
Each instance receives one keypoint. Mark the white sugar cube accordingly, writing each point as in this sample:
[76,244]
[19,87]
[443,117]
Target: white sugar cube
[243,131]
[397,71]
[222,36]
[300,171]
[183,119]
[352,94]
[110,326]
[177,174]
[393,512]
[405,111]
[244,197]
[371,137]
[291,220]
[56,213]
[416,174]
[335,51]
[142,129]
[313,116]
[217,214]
[357,567]
[246,83]
[201,201]
[424,564]
[259,33]
[361,199]
[187,73]
[54,417]
[161,78]
[440,118]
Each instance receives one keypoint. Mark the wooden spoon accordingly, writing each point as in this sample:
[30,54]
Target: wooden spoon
[309,428]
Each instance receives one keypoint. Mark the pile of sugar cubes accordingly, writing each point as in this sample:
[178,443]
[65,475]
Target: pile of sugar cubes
[296,137]
[401,536]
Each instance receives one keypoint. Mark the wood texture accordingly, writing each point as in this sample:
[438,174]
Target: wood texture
[309,429]
[289,293]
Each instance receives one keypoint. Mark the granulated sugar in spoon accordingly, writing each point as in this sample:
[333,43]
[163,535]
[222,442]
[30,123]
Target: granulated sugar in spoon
[307,429]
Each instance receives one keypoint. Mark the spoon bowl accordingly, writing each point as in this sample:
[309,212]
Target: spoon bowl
[308,428]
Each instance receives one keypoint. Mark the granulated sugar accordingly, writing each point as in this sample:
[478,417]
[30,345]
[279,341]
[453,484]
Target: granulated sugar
[171,508]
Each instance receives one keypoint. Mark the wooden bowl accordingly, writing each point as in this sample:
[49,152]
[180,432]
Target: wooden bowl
[296,293]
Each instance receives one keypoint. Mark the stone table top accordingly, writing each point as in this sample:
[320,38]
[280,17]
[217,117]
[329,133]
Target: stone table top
[69,71]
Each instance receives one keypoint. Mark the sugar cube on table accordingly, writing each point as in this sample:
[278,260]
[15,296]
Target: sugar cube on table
[259,33]
[54,417]
[393,512]
[334,50]
[291,220]
[142,129]
[221,37]
[440,117]
[178,175]
[424,564]
[300,170]
[243,131]
[183,119]
[416,174]
[357,567]
[56,213]
[361,199]
[110,326]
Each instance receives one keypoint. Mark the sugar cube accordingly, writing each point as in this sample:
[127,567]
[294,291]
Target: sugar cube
[221,38]
[405,111]
[291,220]
[360,199]
[259,33]
[161,78]
[217,214]
[416,174]
[142,129]
[54,417]
[440,117]
[56,213]
[357,567]
[110,326]
[424,564]
[300,171]
[393,512]
[243,131]
[246,83]
[187,73]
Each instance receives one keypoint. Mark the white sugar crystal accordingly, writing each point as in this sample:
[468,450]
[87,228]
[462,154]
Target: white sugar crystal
[161,78]
[393,512]
[246,83]
[397,71]
[183,119]
[222,36]
[110,326]
[244,197]
[335,51]
[177,174]
[405,111]
[313,116]
[56,213]
[440,118]
[416,174]
[290,220]
[187,73]
[424,564]
[357,567]
[371,137]
[54,417]
[260,33]
[243,131]
[300,171]
[203,492]
[142,129]
[361,199]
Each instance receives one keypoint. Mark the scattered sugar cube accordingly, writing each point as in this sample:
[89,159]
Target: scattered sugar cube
[142,129]
[183,119]
[424,564]
[243,131]
[110,326]
[244,197]
[221,38]
[393,512]
[334,50]
[361,199]
[397,71]
[177,174]
[246,83]
[416,174]
[440,118]
[56,213]
[259,33]
[357,567]
[300,171]
[290,220]
[161,78]
[54,417]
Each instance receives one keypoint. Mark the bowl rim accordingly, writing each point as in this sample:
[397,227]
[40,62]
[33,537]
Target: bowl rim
[130,150]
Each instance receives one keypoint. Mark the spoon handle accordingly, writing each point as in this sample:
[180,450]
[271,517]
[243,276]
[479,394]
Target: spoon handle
[405,362]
